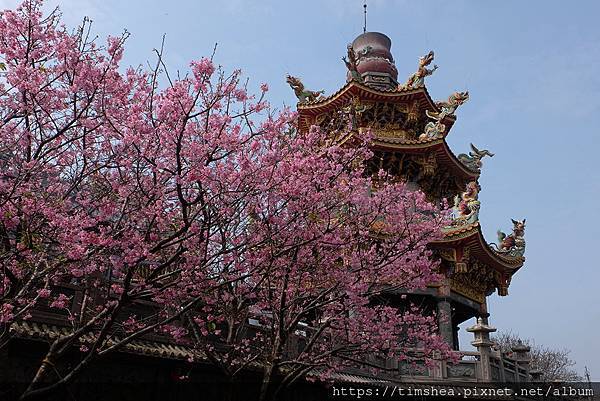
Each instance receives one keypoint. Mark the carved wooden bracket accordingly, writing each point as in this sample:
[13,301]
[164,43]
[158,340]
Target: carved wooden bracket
[459,256]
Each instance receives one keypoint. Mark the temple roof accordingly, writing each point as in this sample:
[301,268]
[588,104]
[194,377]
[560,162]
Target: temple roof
[403,118]
[309,109]
[470,235]
[48,332]
[438,146]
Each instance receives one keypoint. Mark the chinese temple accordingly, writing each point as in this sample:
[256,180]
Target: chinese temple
[409,131]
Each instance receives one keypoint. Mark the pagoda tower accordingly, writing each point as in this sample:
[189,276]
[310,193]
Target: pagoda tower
[409,132]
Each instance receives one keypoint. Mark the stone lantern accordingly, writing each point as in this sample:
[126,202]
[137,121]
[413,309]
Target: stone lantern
[482,342]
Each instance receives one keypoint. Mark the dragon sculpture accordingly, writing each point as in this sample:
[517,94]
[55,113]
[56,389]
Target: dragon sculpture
[417,80]
[435,129]
[513,244]
[466,205]
[473,160]
[303,95]
[449,107]
[351,63]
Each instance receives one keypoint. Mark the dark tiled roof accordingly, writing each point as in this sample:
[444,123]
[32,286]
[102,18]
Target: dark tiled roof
[42,331]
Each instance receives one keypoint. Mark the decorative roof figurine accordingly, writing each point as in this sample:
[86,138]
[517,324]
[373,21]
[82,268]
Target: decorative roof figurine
[466,205]
[351,63]
[433,130]
[303,95]
[449,107]
[473,160]
[417,80]
[513,244]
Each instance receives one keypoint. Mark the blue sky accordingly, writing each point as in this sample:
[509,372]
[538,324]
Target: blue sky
[532,69]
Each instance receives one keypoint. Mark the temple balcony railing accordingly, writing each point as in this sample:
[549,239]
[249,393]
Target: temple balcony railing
[469,368]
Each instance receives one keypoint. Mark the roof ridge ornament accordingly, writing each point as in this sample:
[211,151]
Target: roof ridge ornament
[512,244]
[417,79]
[435,129]
[351,63]
[448,107]
[466,205]
[303,95]
[472,161]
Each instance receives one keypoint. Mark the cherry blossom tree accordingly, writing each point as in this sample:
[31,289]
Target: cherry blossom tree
[318,296]
[115,187]
[255,243]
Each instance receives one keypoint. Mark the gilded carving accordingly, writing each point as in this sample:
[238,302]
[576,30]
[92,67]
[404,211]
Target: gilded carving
[478,282]
[390,133]
[413,112]
[461,265]
[391,116]
[415,168]
[463,288]
[458,256]
[429,164]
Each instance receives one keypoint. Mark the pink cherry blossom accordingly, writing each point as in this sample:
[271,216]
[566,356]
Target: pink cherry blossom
[195,199]
[60,302]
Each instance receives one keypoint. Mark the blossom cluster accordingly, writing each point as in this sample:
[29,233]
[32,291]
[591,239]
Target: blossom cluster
[196,198]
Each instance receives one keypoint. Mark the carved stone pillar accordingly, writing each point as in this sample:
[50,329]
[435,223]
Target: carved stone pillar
[455,336]
[481,331]
[444,314]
